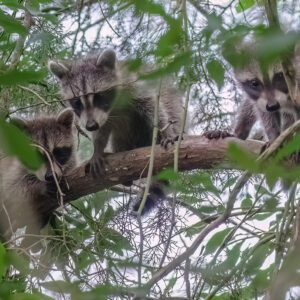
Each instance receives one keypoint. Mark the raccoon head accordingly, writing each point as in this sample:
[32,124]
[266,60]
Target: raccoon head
[268,89]
[262,81]
[89,86]
[56,136]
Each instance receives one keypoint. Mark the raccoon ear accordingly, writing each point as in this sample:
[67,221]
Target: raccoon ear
[107,59]
[66,118]
[59,69]
[21,124]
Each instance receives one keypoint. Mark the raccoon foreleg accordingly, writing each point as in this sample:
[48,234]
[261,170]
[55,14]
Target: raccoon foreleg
[96,165]
[246,118]
[167,132]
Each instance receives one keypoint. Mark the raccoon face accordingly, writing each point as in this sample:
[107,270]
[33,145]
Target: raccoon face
[89,87]
[55,135]
[269,91]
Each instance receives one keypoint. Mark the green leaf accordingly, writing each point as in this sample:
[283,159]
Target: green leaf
[19,262]
[214,22]
[230,182]
[134,64]
[262,279]
[12,4]
[246,203]
[262,216]
[168,174]
[205,179]
[118,239]
[271,204]
[179,61]
[167,42]
[206,209]
[233,255]
[171,283]
[194,229]
[150,7]
[3,263]
[16,77]
[15,142]
[108,215]
[11,25]
[216,72]
[244,4]
[258,257]
[242,158]
[289,148]
[216,241]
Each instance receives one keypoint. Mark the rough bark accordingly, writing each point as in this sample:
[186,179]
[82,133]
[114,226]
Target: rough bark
[196,152]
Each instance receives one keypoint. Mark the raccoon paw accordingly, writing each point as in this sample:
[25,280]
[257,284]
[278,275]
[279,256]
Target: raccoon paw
[167,140]
[52,190]
[96,166]
[217,134]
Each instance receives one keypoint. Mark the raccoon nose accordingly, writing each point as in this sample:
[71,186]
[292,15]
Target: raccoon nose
[91,126]
[49,177]
[273,107]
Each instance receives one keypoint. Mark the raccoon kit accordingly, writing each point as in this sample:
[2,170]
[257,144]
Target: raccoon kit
[22,191]
[114,105]
[266,99]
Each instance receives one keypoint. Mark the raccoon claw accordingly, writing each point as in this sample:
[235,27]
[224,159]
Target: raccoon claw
[217,134]
[96,166]
[165,141]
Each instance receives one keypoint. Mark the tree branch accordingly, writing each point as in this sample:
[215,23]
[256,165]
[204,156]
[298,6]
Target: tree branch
[195,152]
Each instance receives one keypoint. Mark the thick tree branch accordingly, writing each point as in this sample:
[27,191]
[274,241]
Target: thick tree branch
[195,152]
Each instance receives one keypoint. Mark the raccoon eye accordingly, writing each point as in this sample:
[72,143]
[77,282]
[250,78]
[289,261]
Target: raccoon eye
[104,100]
[279,83]
[254,84]
[76,105]
[62,155]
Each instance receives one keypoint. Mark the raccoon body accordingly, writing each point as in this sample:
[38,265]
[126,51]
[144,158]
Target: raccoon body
[115,105]
[267,100]
[23,190]
[111,101]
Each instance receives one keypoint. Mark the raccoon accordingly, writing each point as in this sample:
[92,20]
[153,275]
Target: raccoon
[266,99]
[113,104]
[22,190]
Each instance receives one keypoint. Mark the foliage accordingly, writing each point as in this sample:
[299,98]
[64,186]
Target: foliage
[94,249]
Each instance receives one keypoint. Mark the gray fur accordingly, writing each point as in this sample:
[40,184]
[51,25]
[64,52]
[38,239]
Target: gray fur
[21,190]
[255,107]
[129,120]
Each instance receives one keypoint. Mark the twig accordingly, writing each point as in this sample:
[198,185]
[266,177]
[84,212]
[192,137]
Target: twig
[152,154]
[35,93]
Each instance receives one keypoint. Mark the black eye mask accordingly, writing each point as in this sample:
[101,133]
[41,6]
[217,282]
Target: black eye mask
[279,83]
[62,155]
[253,88]
[76,105]
[104,100]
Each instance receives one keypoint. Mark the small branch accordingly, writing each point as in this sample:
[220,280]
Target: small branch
[184,256]
[34,93]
